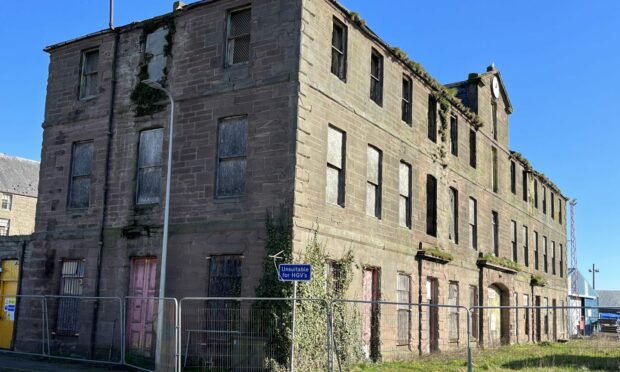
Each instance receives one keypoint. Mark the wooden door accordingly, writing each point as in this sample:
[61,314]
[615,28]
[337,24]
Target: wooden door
[432,298]
[8,291]
[140,311]
[495,316]
[370,312]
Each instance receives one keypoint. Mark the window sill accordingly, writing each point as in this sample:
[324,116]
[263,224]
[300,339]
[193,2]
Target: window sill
[87,99]
[229,199]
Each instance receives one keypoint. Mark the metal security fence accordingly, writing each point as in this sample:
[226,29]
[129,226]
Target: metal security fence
[32,309]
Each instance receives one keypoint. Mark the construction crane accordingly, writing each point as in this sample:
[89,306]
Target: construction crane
[573,251]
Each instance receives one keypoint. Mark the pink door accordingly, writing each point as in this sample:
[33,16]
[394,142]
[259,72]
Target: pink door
[142,285]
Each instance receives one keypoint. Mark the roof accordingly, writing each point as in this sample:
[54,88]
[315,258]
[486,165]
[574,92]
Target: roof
[585,288]
[19,176]
[609,298]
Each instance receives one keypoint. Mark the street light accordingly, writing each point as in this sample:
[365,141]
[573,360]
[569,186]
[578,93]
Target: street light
[164,248]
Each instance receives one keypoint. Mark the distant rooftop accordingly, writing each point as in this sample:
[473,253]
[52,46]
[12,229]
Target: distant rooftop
[18,175]
[609,298]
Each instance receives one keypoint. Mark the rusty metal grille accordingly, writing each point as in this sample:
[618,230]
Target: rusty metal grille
[68,322]
[239,27]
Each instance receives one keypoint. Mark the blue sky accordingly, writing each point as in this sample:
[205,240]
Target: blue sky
[559,61]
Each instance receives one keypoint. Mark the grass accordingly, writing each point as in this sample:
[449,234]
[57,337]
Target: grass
[598,354]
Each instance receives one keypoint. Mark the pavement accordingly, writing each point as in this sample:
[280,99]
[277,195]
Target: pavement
[21,363]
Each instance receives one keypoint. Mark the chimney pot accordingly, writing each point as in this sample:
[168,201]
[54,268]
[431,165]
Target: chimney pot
[178,5]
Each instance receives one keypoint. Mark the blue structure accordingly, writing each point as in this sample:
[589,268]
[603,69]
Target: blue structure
[583,321]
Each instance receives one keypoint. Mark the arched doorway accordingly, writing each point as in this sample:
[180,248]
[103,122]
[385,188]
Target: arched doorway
[498,319]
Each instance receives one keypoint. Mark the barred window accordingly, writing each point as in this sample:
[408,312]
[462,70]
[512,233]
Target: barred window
[339,50]
[89,73]
[81,169]
[335,174]
[472,148]
[232,158]
[373,183]
[238,41]
[454,216]
[453,312]
[376,77]
[71,285]
[407,100]
[149,166]
[403,320]
[404,188]
[431,205]
[7,201]
[454,136]
[432,118]
[473,223]
[225,276]
[4,226]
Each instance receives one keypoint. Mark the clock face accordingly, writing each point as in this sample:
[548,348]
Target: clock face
[495,86]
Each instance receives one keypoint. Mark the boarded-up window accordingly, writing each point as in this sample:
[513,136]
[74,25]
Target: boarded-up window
[376,77]
[553,257]
[238,41]
[453,311]
[81,169]
[431,205]
[536,193]
[71,284]
[231,150]
[536,250]
[454,216]
[225,276]
[526,248]
[454,136]
[404,187]
[335,177]
[432,118]
[373,184]
[513,177]
[513,240]
[561,261]
[149,166]
[473,301]
[4,226]
[407,100]
[473,223]
[339,50]
[472,148]
[495,232]
[525,193]
[403,297]
[545,251]
[89,73]
[7,201]
[494,172]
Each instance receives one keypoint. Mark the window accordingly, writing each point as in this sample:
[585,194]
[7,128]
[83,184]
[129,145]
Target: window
[432,118]
[552,205]
[513,239]
[544,202]
[5,225]
[513,177]
[526,303]
[407,100]
[454,216]
[494,180]
[335,177]
[333,272]
[454,136]
[553,257]
[536,193]
[71,284]
[473,223]
[238,39]
[81,168]
[472,148]
[560,210]
[473,301]
[231,151]
[515,313]
[545,266]
[536,254]
[405,195]
[7,201]
[373,184]
[494,104]
[225,276]
[495,232]
[546,311]
[88,75]
[526,248]
[376,77]
[149,166]
[453,312]
[403,297]
[525,193]
[339,50]
[431,205]
[561,261]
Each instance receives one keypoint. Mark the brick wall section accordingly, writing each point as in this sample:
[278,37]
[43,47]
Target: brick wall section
[21,215]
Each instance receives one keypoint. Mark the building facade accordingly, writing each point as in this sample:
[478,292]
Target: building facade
[19,181]
[291,105]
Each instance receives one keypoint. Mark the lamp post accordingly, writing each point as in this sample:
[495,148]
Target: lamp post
[164,248]
[593,270]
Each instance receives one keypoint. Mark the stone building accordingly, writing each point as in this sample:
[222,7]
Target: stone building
[296,104]
[19,181]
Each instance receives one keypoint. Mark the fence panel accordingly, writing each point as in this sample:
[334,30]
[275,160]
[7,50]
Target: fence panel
[85,328]
[251,334]
[30,337]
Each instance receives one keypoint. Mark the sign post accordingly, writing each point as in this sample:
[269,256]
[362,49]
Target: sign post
[294,273]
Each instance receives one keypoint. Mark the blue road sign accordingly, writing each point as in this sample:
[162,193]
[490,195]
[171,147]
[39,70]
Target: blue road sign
[295,272]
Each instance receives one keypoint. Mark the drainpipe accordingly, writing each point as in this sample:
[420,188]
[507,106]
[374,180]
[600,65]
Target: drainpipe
[93,335]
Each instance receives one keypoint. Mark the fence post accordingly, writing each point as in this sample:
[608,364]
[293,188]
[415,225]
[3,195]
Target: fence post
[469,361]
[330,335]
